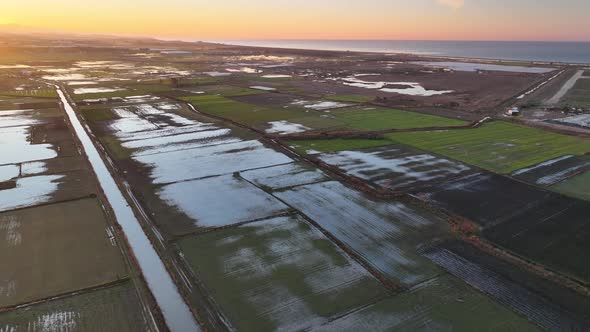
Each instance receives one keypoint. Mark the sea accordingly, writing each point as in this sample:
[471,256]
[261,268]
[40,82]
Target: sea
[567,52]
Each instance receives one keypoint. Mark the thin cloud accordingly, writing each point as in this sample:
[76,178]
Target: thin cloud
[455,4]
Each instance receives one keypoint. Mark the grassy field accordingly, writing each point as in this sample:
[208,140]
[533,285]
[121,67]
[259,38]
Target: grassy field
[255,115]
[42,93]
[577,186]
[498,146]
[367,118]
[325,145]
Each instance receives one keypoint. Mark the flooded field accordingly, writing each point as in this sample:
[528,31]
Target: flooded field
[278,274]
[385,235]
[441,304]
[205,194]
[284,176]
[394,166]
[553,171]
[228,200]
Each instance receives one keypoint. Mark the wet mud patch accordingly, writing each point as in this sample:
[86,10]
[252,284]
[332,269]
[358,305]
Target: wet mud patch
[56,249]
[278,274]
[386,235]
[395,166]
[115,308]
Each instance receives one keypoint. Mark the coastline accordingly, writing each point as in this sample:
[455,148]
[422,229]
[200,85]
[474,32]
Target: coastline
[427,55]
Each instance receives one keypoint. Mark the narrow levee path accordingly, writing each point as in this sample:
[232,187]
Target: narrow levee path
[174,309]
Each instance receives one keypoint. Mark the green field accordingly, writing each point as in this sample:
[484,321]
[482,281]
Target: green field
[498,146]
[326,145]
[257,116]
[577,186]
[42,93]
[370,118]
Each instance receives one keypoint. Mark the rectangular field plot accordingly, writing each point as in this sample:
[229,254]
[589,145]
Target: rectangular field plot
[55,249]
[284,176]
[385,235]
[577,186]
[549,305]
[378,118]
[555,234]
[394,166]
[210,161]
[33,190]
[441,304]
[219,201]
[498,146]
[279,274]
[553,171]
[486,198]
[115,308]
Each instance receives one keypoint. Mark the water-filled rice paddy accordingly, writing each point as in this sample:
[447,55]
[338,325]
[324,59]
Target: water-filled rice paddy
[385,234]
[278,274]
[394,166]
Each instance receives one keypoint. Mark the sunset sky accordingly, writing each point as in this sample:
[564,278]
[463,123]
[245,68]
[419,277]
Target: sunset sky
[305,19]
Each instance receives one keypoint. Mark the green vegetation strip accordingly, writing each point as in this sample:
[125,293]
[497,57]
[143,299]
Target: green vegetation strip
[498,146]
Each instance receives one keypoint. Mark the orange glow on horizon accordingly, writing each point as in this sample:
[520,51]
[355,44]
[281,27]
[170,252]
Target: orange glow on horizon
[427,19]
